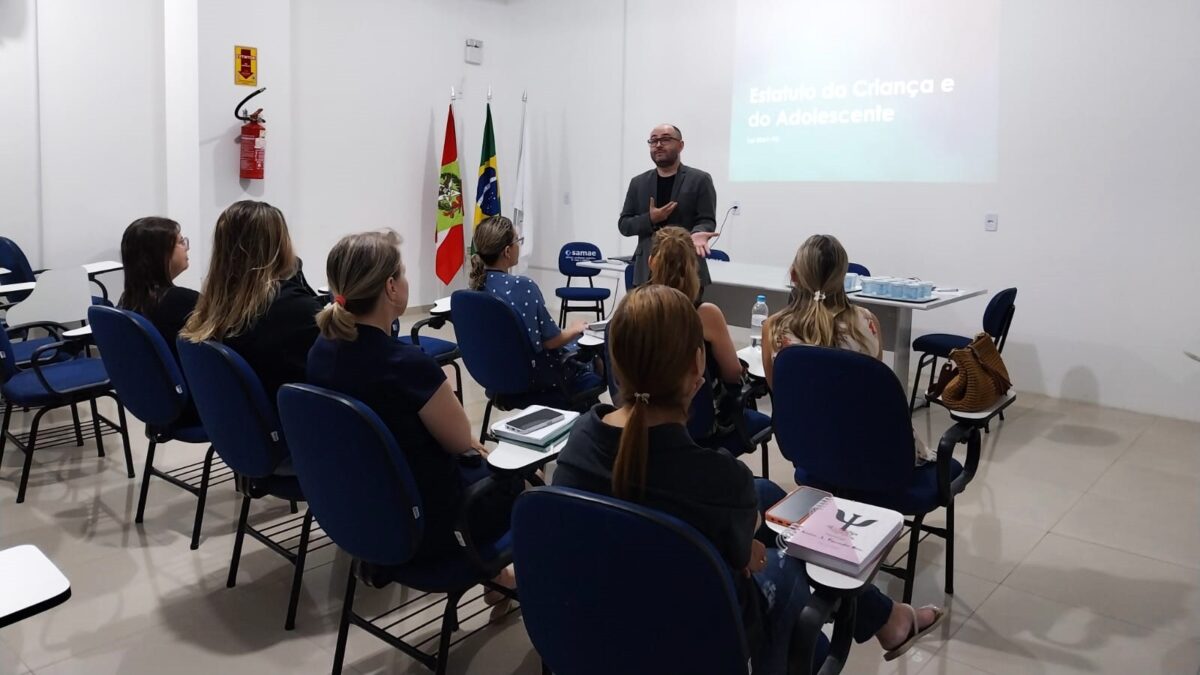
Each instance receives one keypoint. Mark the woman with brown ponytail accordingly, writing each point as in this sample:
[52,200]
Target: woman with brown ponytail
[497,247]
[820,313]
[642,452]
[357,356]
[673,263]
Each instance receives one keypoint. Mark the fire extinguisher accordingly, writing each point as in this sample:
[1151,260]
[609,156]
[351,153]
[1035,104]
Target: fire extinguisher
[253,140]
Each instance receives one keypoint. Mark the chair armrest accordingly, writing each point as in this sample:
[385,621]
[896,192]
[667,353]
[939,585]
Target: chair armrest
[52,327]
[35,361]
[435,322]
[462,528]
[959,433]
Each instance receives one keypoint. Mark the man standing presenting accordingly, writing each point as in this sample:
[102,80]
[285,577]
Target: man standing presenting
[670,194]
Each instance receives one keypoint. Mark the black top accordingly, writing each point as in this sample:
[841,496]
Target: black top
[169,316]
[396,380]
[276,345]
[707,489]
[171,312]
[662,195]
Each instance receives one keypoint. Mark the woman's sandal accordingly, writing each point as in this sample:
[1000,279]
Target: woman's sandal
[915,633]
[499,602]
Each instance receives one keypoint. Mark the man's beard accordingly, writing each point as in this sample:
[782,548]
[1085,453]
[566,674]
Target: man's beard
[667,160]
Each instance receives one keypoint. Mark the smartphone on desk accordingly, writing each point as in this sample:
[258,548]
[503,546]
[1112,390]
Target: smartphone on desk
[795,507]
[538,419]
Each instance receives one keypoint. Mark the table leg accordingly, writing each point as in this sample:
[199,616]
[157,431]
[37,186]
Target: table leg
[902,345]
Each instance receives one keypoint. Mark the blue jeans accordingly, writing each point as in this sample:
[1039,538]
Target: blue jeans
[784,587]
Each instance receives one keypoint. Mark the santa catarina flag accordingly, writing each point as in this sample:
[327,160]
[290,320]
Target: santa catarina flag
[449,233]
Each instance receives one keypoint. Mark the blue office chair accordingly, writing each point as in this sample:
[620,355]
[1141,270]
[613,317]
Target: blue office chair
[714,254]
[147,377]
[569,257]
[370,505]
[840,418]
[498,354]
[629,286]
[245,431]
[47,385]
[590,607]
[997,318]
[858,269]
[445,352]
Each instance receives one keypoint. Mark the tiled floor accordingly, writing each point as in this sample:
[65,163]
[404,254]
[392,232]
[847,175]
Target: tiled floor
[1078,552]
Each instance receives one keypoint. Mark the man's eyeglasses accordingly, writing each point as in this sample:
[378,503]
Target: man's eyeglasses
[661,140]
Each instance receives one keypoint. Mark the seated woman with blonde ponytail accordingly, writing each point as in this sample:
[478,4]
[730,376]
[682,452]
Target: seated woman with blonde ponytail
[357,356]
[497,247]
[820,313]
[642,452]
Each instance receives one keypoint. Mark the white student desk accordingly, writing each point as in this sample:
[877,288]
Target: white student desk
[29,584]
[92,269]
[735,285]
[509,456]
[609,265]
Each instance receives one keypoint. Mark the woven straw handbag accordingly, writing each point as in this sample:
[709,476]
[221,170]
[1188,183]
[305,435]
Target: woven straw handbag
[974,379]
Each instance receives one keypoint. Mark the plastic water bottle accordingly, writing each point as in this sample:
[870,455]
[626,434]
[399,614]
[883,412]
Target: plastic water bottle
[758,315]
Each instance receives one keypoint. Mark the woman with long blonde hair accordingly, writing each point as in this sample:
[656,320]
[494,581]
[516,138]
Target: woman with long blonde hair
[357,355]
[641,452]
[673,263]
[820,312]
[254,298]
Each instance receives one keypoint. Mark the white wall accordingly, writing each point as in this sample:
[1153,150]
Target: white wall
[101,124]
[1096,192]
[19,163]
[222,24]
[371,92]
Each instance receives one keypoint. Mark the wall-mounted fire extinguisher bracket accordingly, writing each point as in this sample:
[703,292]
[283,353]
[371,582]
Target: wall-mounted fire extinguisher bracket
[253,140]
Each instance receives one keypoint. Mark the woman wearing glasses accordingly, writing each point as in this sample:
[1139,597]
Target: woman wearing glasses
[154,253]
[497,249]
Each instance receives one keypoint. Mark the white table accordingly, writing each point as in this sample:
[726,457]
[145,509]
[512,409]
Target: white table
[82,331]
[92,269]
[609,265]
[735,285]
[103,266]
[13,288]
[589,341]
[29,584]
[509,456]
[753,358]
[441,307]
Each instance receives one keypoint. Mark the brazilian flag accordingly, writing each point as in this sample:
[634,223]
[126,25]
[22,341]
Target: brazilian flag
[487,192]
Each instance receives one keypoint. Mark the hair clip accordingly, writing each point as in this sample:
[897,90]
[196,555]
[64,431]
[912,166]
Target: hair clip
[340,300]
[642,398]
[819,296]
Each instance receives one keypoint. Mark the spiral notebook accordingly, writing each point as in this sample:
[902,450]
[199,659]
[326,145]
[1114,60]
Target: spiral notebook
[843,535]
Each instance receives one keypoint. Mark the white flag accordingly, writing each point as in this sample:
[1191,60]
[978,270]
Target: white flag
[523,203]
